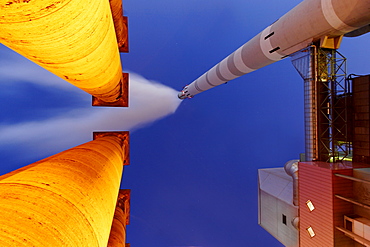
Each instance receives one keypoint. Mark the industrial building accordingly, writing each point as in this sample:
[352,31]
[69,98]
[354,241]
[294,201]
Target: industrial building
[322,199]
[73,198]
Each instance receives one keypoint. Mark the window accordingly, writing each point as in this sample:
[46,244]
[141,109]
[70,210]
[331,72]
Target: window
[310,205]
[284,219]
[311,232]
[348,225]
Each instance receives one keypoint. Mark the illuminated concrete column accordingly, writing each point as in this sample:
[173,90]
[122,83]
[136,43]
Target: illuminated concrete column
[117,236]
[73,39]
[67,199]
[120,24]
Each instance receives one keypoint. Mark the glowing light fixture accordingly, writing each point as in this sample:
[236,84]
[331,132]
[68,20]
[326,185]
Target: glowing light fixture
[310,205]
[311,232]
[73,39]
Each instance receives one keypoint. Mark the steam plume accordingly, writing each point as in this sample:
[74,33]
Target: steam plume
[149,101]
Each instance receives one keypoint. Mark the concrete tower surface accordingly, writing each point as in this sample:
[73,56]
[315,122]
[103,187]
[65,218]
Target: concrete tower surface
[76,40]
[71,198]
[68,199]
[117,236]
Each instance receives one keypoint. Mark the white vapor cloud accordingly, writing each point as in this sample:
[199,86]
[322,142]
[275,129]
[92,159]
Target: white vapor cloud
[148,102]
[15,68]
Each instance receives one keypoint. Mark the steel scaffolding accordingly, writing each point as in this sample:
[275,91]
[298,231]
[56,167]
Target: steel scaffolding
[327,99]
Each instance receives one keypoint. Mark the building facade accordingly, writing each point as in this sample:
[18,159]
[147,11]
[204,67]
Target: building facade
[333,189]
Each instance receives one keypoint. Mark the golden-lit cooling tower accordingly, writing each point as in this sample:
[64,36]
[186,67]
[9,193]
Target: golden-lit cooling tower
[68,199]
[74,39]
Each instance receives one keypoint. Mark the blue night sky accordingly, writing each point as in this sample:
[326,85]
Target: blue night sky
[193,174]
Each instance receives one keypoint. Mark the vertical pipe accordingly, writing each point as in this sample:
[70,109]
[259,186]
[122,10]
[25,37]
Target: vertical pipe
[291,168]
[309,124]
[73,39]
[310,108]
[65,200]
[315,107]
[305,63]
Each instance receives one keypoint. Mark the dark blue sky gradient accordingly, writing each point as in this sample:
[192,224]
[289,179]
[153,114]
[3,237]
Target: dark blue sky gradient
[193,174]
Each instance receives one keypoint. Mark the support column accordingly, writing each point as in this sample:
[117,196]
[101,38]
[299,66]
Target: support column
[305,63]
[120,24]
[75,40]
[67,199]
[121,219]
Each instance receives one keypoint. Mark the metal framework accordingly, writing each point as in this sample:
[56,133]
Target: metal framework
[327,98]
[333,101]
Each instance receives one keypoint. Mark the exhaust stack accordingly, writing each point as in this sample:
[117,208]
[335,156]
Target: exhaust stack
[320,21]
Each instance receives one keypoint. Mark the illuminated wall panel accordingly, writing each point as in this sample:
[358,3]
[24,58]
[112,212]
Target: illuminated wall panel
[318,184]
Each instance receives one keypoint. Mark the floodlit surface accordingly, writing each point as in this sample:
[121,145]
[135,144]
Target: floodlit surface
[73,39]
[65,200]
